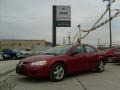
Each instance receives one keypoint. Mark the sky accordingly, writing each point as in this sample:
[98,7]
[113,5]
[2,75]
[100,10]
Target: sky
[32,19]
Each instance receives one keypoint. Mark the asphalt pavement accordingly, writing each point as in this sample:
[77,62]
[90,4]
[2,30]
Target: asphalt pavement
[107,80]
[7,66]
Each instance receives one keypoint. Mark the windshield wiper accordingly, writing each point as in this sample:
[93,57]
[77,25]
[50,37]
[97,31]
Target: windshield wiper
[50,53]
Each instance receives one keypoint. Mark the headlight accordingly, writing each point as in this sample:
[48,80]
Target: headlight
[19,62]
[44,62]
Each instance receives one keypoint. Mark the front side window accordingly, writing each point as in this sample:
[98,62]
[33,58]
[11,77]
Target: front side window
[79,49]
[90,49]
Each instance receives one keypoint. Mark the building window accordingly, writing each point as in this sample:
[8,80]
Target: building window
[38,43]
[20,44]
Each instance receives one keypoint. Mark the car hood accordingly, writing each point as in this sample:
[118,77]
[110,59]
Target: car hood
[38,58]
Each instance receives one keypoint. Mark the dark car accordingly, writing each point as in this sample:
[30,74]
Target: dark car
[59,61]
[9,54]
[13,54]
[113,55]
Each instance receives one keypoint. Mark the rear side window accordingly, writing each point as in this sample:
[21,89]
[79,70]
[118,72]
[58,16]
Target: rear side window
[90,49]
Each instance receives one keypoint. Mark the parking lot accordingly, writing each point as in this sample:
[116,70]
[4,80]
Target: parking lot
[107,80]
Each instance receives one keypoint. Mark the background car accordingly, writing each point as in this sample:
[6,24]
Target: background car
[19,54]
[1,56]
[113,55]
[9,54]
[59,61]
[26,53]
[15,54]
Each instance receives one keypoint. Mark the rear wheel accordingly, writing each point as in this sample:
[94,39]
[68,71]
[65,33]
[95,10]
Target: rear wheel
[100,66]
[110,59]
[57,72]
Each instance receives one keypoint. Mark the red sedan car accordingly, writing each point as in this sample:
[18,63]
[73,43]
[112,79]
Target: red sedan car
[61,60]
[113,55]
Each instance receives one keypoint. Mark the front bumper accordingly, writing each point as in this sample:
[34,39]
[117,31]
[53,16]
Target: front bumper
[113,60]
[33,71]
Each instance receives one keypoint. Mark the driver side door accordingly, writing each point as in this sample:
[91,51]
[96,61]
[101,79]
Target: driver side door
[77,60]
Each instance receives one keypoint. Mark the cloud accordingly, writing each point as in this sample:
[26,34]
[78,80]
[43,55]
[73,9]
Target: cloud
[32,19]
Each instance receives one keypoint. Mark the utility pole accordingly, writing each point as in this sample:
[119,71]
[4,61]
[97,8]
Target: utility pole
[109,6]
[110,24]
[69,38]
[79,34]
[98,43]
[64,42]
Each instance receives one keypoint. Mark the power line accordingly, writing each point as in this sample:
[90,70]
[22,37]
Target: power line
[95,26]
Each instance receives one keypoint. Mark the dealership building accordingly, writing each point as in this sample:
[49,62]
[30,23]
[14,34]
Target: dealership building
[23,44]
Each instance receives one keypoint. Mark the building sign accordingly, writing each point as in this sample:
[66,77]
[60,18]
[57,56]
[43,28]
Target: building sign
[63,16]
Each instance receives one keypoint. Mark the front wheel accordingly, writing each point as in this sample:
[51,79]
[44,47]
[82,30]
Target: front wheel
[57,72]
[100,66]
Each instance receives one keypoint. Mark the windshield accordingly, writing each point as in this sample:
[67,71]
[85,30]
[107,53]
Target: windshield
[58,50]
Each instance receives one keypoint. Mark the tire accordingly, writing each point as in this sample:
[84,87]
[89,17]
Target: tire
[5,58]
[1,59]
[14,58]
[57,72]
[110,60]
[100,66]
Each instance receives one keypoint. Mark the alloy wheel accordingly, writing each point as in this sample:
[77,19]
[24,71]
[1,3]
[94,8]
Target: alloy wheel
[57,72]
[100,66]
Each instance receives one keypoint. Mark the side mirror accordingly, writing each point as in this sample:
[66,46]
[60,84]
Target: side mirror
[74,53]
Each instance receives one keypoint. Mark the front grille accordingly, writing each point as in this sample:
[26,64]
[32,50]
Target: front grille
[20,67]
[22,63]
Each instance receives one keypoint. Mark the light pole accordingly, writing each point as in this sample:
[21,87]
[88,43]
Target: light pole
[109,6]
[79,33]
